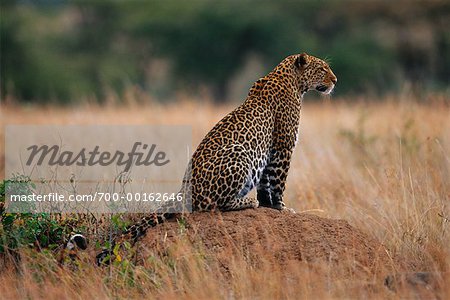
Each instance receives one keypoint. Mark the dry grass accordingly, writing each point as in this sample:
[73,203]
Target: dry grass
[384,167]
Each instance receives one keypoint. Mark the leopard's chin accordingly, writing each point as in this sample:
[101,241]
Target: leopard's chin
[325,90]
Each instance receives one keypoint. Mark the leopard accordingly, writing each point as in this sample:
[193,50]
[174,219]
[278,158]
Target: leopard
[251,147]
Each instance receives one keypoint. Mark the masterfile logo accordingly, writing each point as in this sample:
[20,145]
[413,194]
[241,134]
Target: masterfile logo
[148,156]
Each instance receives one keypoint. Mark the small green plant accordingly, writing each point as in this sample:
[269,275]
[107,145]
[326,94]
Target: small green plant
[182,224]
[28,229]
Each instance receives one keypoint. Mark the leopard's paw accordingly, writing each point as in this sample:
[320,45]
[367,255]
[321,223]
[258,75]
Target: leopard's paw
[288,209]
[254,203]
[282,207]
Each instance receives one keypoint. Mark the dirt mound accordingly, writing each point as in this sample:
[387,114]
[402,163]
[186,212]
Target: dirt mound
[269,235]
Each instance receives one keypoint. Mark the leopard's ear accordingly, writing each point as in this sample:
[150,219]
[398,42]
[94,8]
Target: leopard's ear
[302,60]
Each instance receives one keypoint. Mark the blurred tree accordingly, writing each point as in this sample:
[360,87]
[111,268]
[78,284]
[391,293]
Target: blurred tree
[62,50]
[208,41]
[96,30]
[14,60]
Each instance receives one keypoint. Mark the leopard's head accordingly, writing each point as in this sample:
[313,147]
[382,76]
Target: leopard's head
[315,74]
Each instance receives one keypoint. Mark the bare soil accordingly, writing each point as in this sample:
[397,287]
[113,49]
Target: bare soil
[263,234]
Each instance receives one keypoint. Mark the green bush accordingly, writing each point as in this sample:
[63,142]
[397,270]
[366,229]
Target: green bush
[37,230]
[76,49]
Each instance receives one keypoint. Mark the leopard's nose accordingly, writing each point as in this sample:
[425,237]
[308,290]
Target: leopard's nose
[334,80]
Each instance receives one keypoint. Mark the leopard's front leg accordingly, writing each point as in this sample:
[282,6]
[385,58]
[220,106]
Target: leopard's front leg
[273,181]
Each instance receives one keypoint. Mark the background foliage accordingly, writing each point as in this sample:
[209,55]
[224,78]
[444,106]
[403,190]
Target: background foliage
[62,51]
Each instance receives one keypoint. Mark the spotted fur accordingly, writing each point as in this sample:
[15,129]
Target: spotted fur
[252,146]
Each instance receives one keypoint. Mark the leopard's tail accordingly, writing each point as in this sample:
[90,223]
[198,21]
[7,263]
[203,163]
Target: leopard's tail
[135,231]
[168,211]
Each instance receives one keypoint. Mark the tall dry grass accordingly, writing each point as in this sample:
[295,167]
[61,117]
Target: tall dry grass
[383,166]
